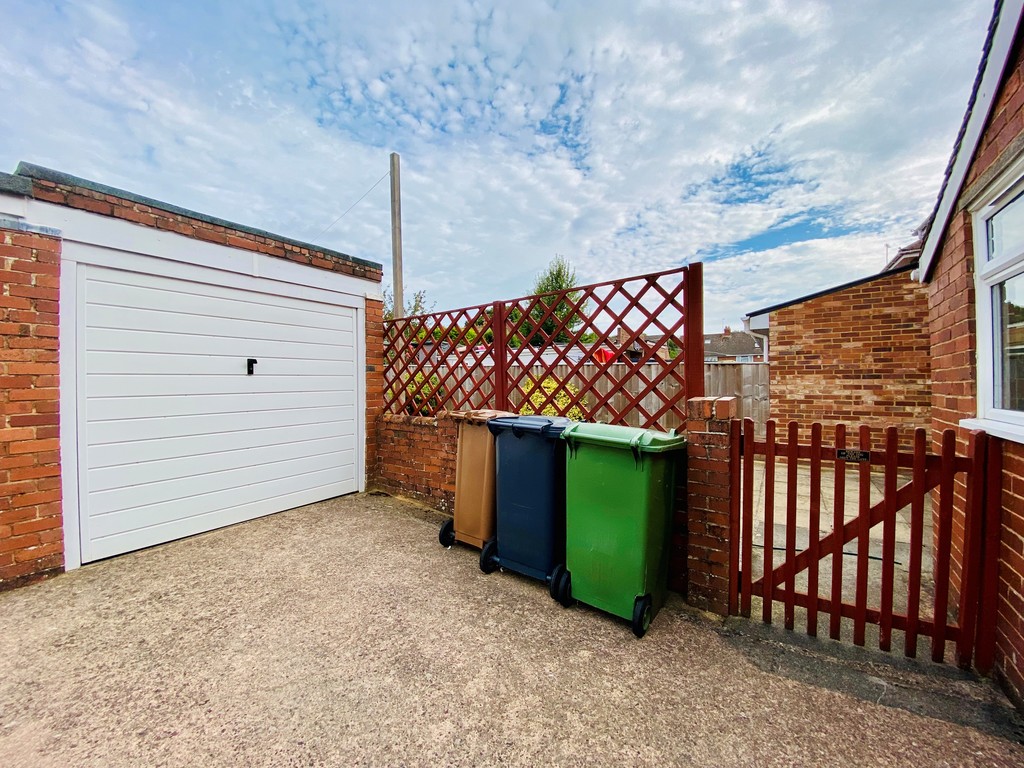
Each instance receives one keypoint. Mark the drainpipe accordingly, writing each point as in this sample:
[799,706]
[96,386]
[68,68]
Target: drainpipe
[762,336]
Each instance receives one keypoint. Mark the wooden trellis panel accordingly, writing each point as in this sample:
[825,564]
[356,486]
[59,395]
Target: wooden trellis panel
[626,351]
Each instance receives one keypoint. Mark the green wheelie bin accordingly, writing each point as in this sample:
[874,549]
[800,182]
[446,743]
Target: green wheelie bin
[620,484]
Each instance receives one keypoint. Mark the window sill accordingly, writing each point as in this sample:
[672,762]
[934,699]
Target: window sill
[996,428]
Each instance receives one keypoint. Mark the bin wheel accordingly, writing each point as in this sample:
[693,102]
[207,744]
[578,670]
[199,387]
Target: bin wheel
[564,595]
[556,574]
[447,534]
[642,610]
[489,556]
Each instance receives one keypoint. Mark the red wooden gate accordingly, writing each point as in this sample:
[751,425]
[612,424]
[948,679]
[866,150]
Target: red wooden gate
[953,601]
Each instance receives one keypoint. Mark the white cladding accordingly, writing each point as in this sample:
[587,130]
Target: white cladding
[164,434]
[178,437]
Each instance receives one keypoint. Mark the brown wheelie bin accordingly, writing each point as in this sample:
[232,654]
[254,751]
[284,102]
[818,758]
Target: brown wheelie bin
[475,499]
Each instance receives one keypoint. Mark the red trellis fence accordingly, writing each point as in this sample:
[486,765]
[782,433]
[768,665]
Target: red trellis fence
[885,554]
[626,351]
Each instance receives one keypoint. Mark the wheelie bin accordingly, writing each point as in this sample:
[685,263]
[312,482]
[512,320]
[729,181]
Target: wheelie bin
[620,484]
[473,522]
[530,496]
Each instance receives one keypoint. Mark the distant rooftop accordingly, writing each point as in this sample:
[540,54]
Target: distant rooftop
[732,344]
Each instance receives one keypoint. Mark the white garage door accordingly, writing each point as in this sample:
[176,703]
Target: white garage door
[176,438]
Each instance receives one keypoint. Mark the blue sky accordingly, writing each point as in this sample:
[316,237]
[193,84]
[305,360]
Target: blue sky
[785,144]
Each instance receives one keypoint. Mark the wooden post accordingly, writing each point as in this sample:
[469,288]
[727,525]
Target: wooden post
[693,330]
[986,635]
[971,570]
[499,354]
[396,237]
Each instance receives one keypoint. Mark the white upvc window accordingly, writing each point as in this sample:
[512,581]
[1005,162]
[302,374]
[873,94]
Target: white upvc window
[998,218]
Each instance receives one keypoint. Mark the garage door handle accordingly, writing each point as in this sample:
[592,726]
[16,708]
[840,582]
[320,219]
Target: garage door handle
[250,364]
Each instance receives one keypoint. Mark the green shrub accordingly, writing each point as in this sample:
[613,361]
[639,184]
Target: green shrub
[426,401]
[563,396]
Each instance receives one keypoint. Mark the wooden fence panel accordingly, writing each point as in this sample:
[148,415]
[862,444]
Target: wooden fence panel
[746,381]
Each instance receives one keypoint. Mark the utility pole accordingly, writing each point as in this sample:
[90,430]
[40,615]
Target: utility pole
[396,237]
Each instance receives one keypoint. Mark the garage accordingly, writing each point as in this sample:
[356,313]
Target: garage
[168,373]
[204,406]
[201,385]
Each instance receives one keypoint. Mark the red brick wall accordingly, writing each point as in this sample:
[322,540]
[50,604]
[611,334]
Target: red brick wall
[856,356]
[954,344]
[374,380]
[150,216]
[415,458]
[31,527]
[708,499]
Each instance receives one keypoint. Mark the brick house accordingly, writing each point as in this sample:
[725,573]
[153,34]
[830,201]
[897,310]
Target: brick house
[731,346]
[857,353]
[972,265]
[149,357]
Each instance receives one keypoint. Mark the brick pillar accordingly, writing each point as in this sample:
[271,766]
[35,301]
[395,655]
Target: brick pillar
[374,383]
[709,498]
[31,526]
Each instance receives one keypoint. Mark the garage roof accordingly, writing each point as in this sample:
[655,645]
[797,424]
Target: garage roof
[26,173]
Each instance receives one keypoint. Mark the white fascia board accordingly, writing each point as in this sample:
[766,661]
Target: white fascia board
[757,322]
[998,59]
[104,232]
[13,206]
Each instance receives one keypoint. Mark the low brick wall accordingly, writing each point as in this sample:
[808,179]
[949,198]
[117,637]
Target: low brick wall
[415,458]
[31,526]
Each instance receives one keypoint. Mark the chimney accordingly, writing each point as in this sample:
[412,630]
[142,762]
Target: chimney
[727,331]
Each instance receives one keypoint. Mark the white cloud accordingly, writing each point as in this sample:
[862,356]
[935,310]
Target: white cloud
[629,140]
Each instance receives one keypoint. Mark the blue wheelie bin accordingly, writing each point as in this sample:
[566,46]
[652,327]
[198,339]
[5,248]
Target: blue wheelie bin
[530,463]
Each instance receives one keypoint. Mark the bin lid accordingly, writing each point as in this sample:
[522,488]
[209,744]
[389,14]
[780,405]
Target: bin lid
[481,416]
[546,426]
[627,438]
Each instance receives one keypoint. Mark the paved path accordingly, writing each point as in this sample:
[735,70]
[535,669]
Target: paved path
[342,634]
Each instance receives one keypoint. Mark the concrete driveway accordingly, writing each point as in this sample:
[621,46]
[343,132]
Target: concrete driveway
[343,634]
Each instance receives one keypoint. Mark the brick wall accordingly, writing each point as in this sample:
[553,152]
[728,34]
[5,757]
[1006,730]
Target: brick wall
[954,394]
[709,500]
[374,380]
[415,458]
[31,528]
[416,455]
[855,356]
[954,390]
[151,215]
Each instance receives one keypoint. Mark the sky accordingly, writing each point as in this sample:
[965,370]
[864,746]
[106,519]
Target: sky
[785,144]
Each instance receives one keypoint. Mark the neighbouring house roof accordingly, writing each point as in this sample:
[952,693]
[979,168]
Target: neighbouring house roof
[732,344]
[907,256]
[21,183]
[995,56]
[835,289]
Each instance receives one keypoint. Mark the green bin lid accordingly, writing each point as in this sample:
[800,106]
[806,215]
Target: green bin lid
[627,438]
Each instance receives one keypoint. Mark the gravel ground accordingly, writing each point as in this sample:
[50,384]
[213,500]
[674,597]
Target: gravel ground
[343,634]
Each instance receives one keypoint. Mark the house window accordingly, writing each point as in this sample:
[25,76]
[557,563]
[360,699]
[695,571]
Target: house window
[1009,308]
[999,288]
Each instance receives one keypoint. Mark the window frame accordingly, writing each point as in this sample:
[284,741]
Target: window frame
[988,275]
